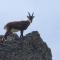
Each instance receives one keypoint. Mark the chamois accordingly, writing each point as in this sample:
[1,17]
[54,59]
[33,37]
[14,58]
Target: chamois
[18,26]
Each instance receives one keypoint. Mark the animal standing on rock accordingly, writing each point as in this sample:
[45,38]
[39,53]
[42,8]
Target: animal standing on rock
[18,26]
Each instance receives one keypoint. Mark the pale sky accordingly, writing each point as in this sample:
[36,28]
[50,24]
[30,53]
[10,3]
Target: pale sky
[46,21]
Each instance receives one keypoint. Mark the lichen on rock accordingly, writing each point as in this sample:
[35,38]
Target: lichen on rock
[30,47]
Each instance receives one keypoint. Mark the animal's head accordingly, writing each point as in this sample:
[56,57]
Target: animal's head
[30,17]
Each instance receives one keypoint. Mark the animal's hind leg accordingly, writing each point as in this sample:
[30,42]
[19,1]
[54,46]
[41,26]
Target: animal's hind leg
[6,34]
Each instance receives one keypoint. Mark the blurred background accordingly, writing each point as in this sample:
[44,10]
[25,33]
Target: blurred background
[46,21]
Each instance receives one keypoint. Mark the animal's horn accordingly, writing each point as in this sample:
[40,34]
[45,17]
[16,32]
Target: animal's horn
[29,13]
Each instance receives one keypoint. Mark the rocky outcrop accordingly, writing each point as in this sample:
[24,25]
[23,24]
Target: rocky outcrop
[30,47]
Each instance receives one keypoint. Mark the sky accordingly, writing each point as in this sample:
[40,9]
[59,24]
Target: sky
[46,21]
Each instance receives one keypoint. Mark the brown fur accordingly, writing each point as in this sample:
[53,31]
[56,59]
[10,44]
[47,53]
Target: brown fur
[18,26]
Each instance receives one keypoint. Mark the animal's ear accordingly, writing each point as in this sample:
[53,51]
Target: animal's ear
[27,16]
[32,13]
[33,16]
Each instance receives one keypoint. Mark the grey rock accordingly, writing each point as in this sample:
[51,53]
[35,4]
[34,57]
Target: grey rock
[30,47]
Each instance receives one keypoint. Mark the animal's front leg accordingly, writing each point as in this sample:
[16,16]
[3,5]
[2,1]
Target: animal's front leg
[21,34]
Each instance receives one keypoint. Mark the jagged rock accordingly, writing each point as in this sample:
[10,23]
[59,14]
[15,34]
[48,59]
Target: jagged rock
[30,47]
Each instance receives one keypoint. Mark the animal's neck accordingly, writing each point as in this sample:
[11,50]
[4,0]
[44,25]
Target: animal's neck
[29,21]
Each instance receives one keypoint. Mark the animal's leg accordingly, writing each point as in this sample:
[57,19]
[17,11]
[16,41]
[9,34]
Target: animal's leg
[21,33]
[6,34]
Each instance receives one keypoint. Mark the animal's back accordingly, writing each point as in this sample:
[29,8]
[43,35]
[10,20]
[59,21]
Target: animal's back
[20,25]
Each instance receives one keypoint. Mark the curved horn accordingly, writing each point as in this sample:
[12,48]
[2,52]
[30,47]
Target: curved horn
[29,13]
